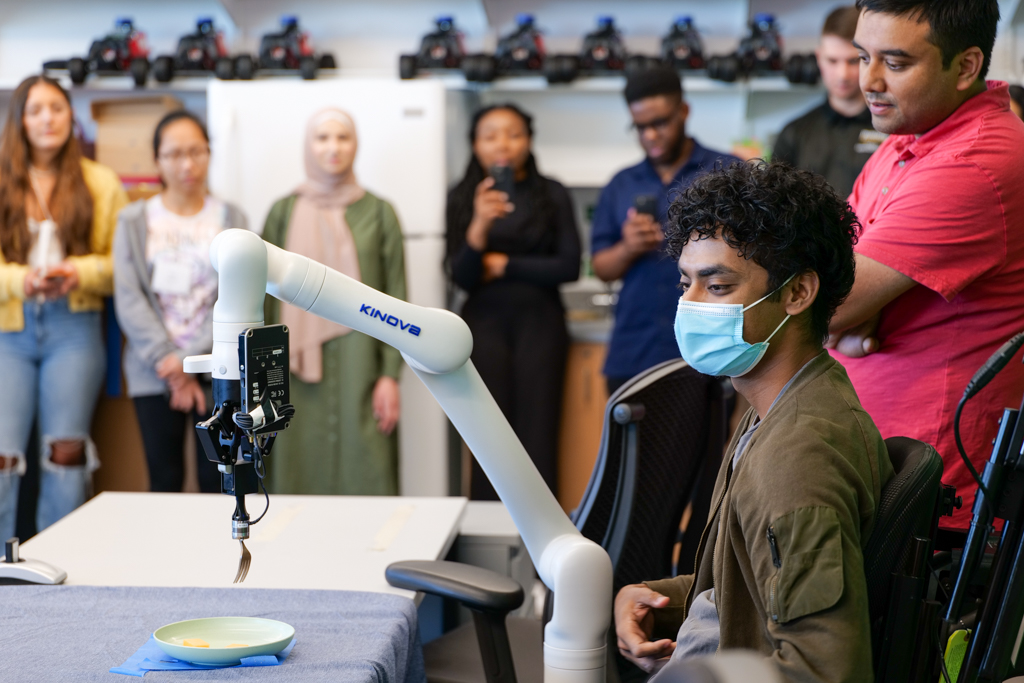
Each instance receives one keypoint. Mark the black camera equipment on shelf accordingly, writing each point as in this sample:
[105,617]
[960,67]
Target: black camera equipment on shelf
[440,49]
[759,51]
[683,47]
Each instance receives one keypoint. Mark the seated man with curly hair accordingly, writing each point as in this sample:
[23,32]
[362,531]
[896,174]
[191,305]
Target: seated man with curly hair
[765,256]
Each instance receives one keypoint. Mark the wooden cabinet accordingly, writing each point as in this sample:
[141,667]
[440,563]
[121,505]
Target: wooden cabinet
[583,407]
[115,430]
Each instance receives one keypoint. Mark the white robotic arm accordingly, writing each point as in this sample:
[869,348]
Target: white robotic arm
[437,345]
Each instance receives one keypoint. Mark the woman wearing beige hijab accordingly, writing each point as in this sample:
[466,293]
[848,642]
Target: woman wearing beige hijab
[344,384]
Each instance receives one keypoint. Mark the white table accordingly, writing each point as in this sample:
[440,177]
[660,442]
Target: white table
[184,540]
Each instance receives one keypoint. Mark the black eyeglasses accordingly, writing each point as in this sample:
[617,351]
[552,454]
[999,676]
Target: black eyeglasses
[657,124]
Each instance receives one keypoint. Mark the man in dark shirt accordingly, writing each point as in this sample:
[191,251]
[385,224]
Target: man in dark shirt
[626,243]
[836,138]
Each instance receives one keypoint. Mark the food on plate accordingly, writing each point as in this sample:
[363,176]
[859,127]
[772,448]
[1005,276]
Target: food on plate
[195,642]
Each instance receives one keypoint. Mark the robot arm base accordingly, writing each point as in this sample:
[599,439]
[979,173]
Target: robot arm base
[580,574]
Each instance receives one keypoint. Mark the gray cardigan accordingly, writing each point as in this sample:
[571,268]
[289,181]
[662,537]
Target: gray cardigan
[138,312]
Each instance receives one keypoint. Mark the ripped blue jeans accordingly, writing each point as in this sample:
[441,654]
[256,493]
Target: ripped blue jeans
[52,370]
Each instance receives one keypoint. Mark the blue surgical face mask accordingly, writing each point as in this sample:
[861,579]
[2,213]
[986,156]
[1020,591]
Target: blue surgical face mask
[710,337]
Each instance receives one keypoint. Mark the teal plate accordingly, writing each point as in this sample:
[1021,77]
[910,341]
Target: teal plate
[260,637]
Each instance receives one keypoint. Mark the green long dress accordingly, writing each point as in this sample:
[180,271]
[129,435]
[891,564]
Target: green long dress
[332,445]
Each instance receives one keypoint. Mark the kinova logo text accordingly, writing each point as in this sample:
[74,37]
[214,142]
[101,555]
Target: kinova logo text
[390,320]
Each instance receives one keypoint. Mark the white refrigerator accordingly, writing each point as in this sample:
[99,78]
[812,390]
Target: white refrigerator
[256,137]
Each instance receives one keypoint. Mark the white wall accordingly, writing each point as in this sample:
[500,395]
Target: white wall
[257,130]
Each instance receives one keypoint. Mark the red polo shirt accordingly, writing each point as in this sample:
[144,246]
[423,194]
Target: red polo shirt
[946,209]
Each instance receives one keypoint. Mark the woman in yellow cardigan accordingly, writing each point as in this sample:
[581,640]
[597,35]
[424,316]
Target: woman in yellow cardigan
[57,218]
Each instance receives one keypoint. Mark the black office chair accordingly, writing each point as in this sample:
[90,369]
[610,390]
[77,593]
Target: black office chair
[897,554]
[665,428]
[660,429]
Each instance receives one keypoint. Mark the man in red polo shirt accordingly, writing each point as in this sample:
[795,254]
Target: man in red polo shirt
[940,263]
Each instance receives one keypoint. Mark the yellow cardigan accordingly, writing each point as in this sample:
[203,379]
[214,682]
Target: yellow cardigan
[95,270]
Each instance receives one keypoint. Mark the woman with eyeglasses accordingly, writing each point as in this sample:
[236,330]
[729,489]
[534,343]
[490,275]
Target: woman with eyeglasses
[57,217]
[164,296]
[510,246]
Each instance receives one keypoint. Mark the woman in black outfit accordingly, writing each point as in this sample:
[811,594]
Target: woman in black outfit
[510,253]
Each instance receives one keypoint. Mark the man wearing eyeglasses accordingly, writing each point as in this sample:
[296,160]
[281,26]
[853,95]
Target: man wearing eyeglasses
[627,236]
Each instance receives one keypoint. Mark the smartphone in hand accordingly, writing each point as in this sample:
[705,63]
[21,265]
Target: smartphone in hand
[51,277]
[646,203]
[503,180]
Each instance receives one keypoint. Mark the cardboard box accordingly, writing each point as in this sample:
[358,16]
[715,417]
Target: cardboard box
[115,431]
[142,190]
[124,133]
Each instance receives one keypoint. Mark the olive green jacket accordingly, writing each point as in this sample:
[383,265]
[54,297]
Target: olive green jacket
[812,474]
[333,446]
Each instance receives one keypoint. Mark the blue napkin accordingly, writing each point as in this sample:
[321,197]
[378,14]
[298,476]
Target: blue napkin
[150,657]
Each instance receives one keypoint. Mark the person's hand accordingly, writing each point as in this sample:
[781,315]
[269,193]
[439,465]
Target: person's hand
[182,400]
[60,279]
[856,342]
[488,206]
[34,284]
[641,233]
[37,283]
[170,370]
[494,265]
[386,405]
[189,396]
[634,623]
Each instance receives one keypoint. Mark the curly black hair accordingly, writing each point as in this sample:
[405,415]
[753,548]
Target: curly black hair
[786,220]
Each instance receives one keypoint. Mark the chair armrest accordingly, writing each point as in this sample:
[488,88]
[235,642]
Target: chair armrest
[476,588]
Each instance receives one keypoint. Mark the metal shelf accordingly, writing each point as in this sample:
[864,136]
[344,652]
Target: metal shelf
[614,84]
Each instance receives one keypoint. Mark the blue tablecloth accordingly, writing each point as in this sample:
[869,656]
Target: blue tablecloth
[77,633]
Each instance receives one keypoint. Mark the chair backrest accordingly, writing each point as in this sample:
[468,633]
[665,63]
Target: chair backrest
[908,508]
[658,428]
